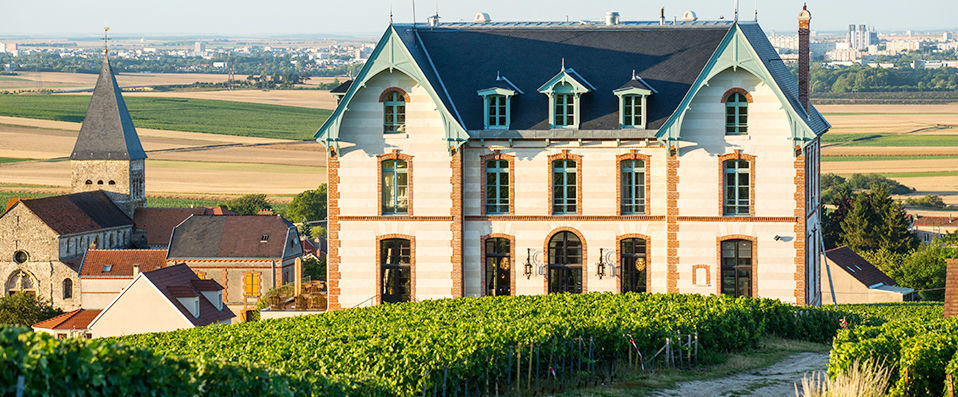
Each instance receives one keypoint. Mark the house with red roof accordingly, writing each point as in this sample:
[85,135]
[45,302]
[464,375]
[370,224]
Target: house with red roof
[161,300]
[853,279]
[928,228]
[72,324]
[104,273]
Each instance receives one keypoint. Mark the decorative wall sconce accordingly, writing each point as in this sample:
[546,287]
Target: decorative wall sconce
[527,268]
[600,269]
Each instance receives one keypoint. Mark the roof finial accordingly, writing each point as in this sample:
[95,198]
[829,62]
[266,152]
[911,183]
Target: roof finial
[634,76]
[736,10]
[390,12]
[563,64]
[106,40]
[497,76]
[756,10]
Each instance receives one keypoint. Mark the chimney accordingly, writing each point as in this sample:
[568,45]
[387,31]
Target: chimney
[662,16]
[804,18]
[136,270]
[611,18]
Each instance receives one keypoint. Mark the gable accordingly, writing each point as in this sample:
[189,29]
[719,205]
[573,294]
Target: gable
[139,308]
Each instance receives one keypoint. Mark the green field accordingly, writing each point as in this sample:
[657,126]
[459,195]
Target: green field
[152,201]
[920,174]
[886,158]
[890,140]
[180,114]
[11,160]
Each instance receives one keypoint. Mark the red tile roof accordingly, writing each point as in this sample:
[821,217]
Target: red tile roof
[936,221]
[159,222]
[77,319]
[859,268]
[78,212]
[121,261]
[181,277]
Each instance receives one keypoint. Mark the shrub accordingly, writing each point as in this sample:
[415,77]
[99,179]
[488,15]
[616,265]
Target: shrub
[929,201]
[25,310]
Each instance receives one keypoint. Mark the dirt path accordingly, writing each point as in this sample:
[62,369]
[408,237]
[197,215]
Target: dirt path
[777,380]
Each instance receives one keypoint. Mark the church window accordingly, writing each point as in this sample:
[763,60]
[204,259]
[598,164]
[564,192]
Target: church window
[67,289]
[112,183]
[89,182]
[99,182]
[21,257]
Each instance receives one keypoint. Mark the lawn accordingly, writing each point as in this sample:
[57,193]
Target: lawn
[890,140]
[180,114]
[886,158]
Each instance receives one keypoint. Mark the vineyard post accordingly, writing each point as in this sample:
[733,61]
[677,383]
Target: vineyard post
[552,364]
[518,367]
[668,352]
[629,353]
[689,353]
[591,358]
[578,373]
[509,370]
[696,347]
[529,376]
[538,368]
[467,387]
[445,371]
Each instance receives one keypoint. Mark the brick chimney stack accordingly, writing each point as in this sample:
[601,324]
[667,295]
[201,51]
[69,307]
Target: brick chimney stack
[804,18]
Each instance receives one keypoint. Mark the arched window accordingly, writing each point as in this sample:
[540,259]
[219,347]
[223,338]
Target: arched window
[633,264]
[394,112]
[736,268]
[498,267]
[633,186]
[89,182]
[20,281]
[396,275]
[67,289]
[736,114]
[564,187]
[565,263]
[736,187]
[99,182]
[111,182]
[395,187]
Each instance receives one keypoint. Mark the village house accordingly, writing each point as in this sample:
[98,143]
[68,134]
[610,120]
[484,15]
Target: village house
[549,157]
[247,254]
[165,299]
[72,324]
[152,227]
[853,279]
[105,272]
[928,228]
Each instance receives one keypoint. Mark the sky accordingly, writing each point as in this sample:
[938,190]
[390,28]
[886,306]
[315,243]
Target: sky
[368,18]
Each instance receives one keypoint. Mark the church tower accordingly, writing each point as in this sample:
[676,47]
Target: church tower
[108,155]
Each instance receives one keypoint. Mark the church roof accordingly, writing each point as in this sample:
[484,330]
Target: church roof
[78,212]
[107,132]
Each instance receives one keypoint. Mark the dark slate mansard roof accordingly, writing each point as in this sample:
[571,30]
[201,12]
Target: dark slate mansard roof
[107,132]
[460,59]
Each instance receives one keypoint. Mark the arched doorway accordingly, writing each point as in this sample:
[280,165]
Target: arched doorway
[633,264]
[565,263]
[20,281]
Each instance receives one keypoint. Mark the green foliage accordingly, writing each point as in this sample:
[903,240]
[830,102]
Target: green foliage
[928,201]
[308,206]
[24,310]
[408,346]
[177,202]
[864,78]
[875,181]
[180,114]
[891,140]
[314,269]
[876,221]
[904,311]
[317,231]
[73,366]
[249,204]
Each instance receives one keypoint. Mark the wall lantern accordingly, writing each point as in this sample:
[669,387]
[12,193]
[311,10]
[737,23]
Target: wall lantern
[527,268]
[600,269]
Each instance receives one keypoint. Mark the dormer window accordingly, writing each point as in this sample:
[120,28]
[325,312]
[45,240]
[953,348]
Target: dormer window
[496,101]
[107,268]
[565,91]
[264,238]
[632,102]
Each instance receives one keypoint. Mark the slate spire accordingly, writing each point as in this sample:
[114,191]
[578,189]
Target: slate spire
[107,132]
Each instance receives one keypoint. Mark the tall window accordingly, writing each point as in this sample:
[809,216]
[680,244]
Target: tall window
[395,187]
[564,187]
[496,111]
[396,275]
[632,110]
[564,110]
[737,267]
[251,284]
[736,114]
[394,113]
[633,264]
[67,288]
[497,187]
[498,267]
[736,187]
[565,263]
[633,186]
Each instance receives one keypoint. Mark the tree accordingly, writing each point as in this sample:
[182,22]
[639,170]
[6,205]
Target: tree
[858,225]
[314,269]
[249,204]
[876,221]
[308,206]
[832,220]
[22,309]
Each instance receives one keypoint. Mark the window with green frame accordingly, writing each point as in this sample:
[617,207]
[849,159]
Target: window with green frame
[395,187]
[497,187]
[736,114]
[736,187]
[564,110]
[633,186]
[496,111]
[394,113]
[564,187]
[632,111]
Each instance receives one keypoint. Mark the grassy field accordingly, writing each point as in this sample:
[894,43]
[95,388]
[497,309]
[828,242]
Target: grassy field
[920,174]
[180,114]
[890,140]
[152,201]
[11,160]
[887,158]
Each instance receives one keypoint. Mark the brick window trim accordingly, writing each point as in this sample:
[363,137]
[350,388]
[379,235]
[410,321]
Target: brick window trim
[394,155]
[648,257]
[633,155]
[695,272]
[379,267]
[545,258]
[565,155]
[736,155]
[405,95]
[737,90]
[512,261]
[718,261]
[496,155]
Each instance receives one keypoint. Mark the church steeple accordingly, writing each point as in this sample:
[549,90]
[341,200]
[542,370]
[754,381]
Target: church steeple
[107,132]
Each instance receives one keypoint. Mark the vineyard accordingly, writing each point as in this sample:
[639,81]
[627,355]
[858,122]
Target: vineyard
[429,346]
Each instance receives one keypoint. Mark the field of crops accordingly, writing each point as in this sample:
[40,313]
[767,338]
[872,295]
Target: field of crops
[180,114]
[413,347]
[864,139]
